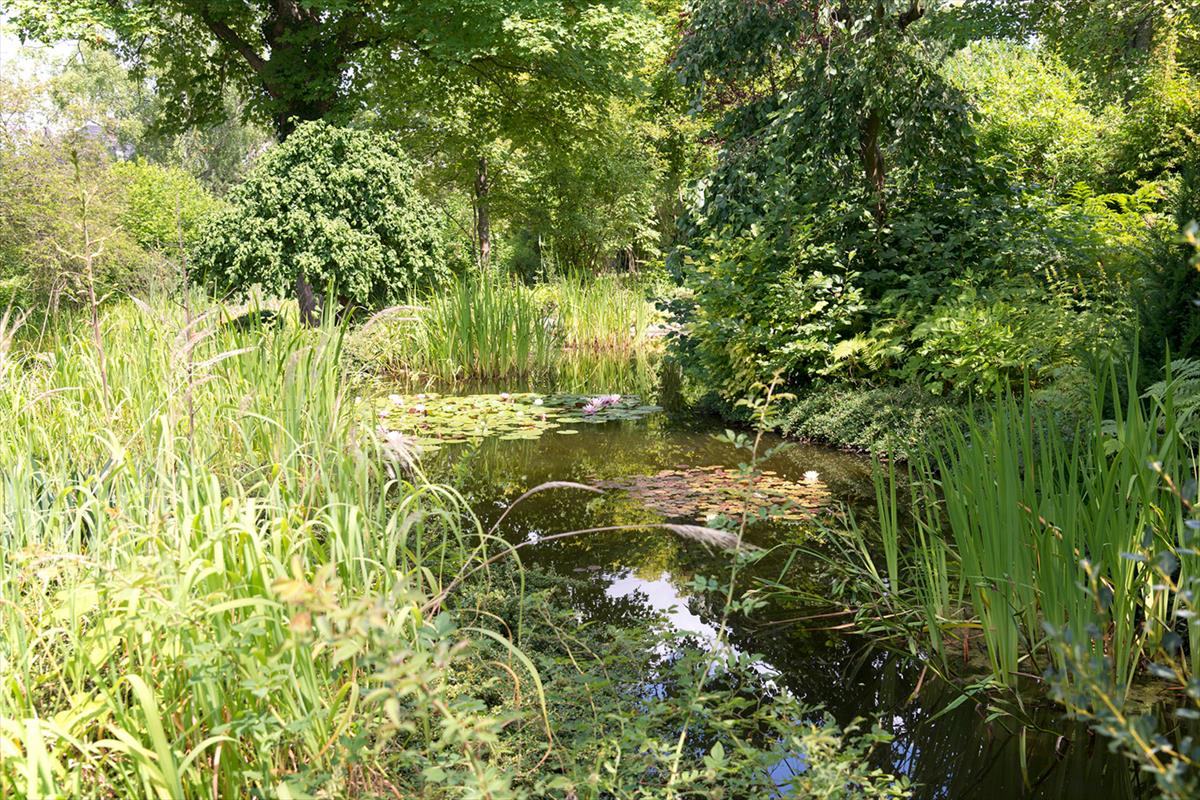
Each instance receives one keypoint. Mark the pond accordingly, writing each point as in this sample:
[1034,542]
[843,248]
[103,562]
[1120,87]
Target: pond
[648,462]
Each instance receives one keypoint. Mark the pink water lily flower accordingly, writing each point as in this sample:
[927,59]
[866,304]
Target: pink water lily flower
[606,400]
[590,408]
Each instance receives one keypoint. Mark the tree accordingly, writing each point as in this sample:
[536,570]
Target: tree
[307,59]
[735,52]
[483,71]
[545,90]
[330,207]
[1115,42]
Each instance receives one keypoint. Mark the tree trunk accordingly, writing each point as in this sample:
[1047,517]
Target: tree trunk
[483,223]
[872,158]
[309,301]
[1143,35]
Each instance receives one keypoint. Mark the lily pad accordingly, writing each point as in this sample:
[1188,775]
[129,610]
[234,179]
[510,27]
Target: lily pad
[706,492]
[434,420]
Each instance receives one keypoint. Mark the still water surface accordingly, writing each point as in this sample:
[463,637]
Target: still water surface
[627,576]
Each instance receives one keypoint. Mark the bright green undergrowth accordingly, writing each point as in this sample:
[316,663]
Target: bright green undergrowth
[897,420]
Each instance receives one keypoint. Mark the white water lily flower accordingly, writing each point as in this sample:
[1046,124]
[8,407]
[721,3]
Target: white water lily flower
[812,476]
[396,399]
[537,401]
[419,408]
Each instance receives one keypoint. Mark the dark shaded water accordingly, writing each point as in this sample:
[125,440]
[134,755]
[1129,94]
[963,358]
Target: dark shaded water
[629,575]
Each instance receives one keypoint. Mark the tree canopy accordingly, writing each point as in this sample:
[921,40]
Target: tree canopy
[330,207]
[300,60]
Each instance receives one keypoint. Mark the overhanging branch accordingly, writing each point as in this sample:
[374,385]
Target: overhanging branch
[229,36]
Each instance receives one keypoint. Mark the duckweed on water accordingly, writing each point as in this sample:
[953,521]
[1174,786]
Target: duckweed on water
[434,420]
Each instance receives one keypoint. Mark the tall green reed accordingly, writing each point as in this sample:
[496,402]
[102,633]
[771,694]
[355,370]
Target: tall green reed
[491,328]
[1055,533]
[194,611]
[601,315]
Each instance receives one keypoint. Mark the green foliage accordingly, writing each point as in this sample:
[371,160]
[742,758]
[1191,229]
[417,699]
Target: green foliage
[797,242]
[991,342]
[1167,294]
[590,199]
[41,227]
[476,327]
[334,206]
[164,207]
[1032,117]
[562,154]
[876,212]
[93,87]
[1085,686]
[608,313]
[897,420]
[1182,385]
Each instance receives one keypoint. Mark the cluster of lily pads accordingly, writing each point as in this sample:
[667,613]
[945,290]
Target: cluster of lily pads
[428,421]
[708,492]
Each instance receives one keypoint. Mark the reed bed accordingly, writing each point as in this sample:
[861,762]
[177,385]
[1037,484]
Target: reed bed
[1047,545]
[608,314]
[488,328]
[206,577]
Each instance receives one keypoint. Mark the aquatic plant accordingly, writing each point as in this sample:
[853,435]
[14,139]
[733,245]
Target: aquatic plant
[435,420]
[490,328]
[713,491]
[1048,534]
[607,314]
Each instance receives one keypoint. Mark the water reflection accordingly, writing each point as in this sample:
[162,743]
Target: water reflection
[630,576]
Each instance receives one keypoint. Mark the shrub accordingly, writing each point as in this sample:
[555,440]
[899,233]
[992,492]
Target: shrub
[1031,119]
[41,240]
[895,420]
[333,206]
[161,202]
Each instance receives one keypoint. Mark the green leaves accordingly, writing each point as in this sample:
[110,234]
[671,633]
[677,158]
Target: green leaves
[335,206]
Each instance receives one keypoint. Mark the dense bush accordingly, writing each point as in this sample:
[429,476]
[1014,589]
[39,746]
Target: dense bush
[1030,116]
[333,206]
[162,204]
[897,420]
[986,241]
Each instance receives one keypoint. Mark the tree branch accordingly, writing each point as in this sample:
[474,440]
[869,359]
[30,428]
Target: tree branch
[230,37]
[914,13]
